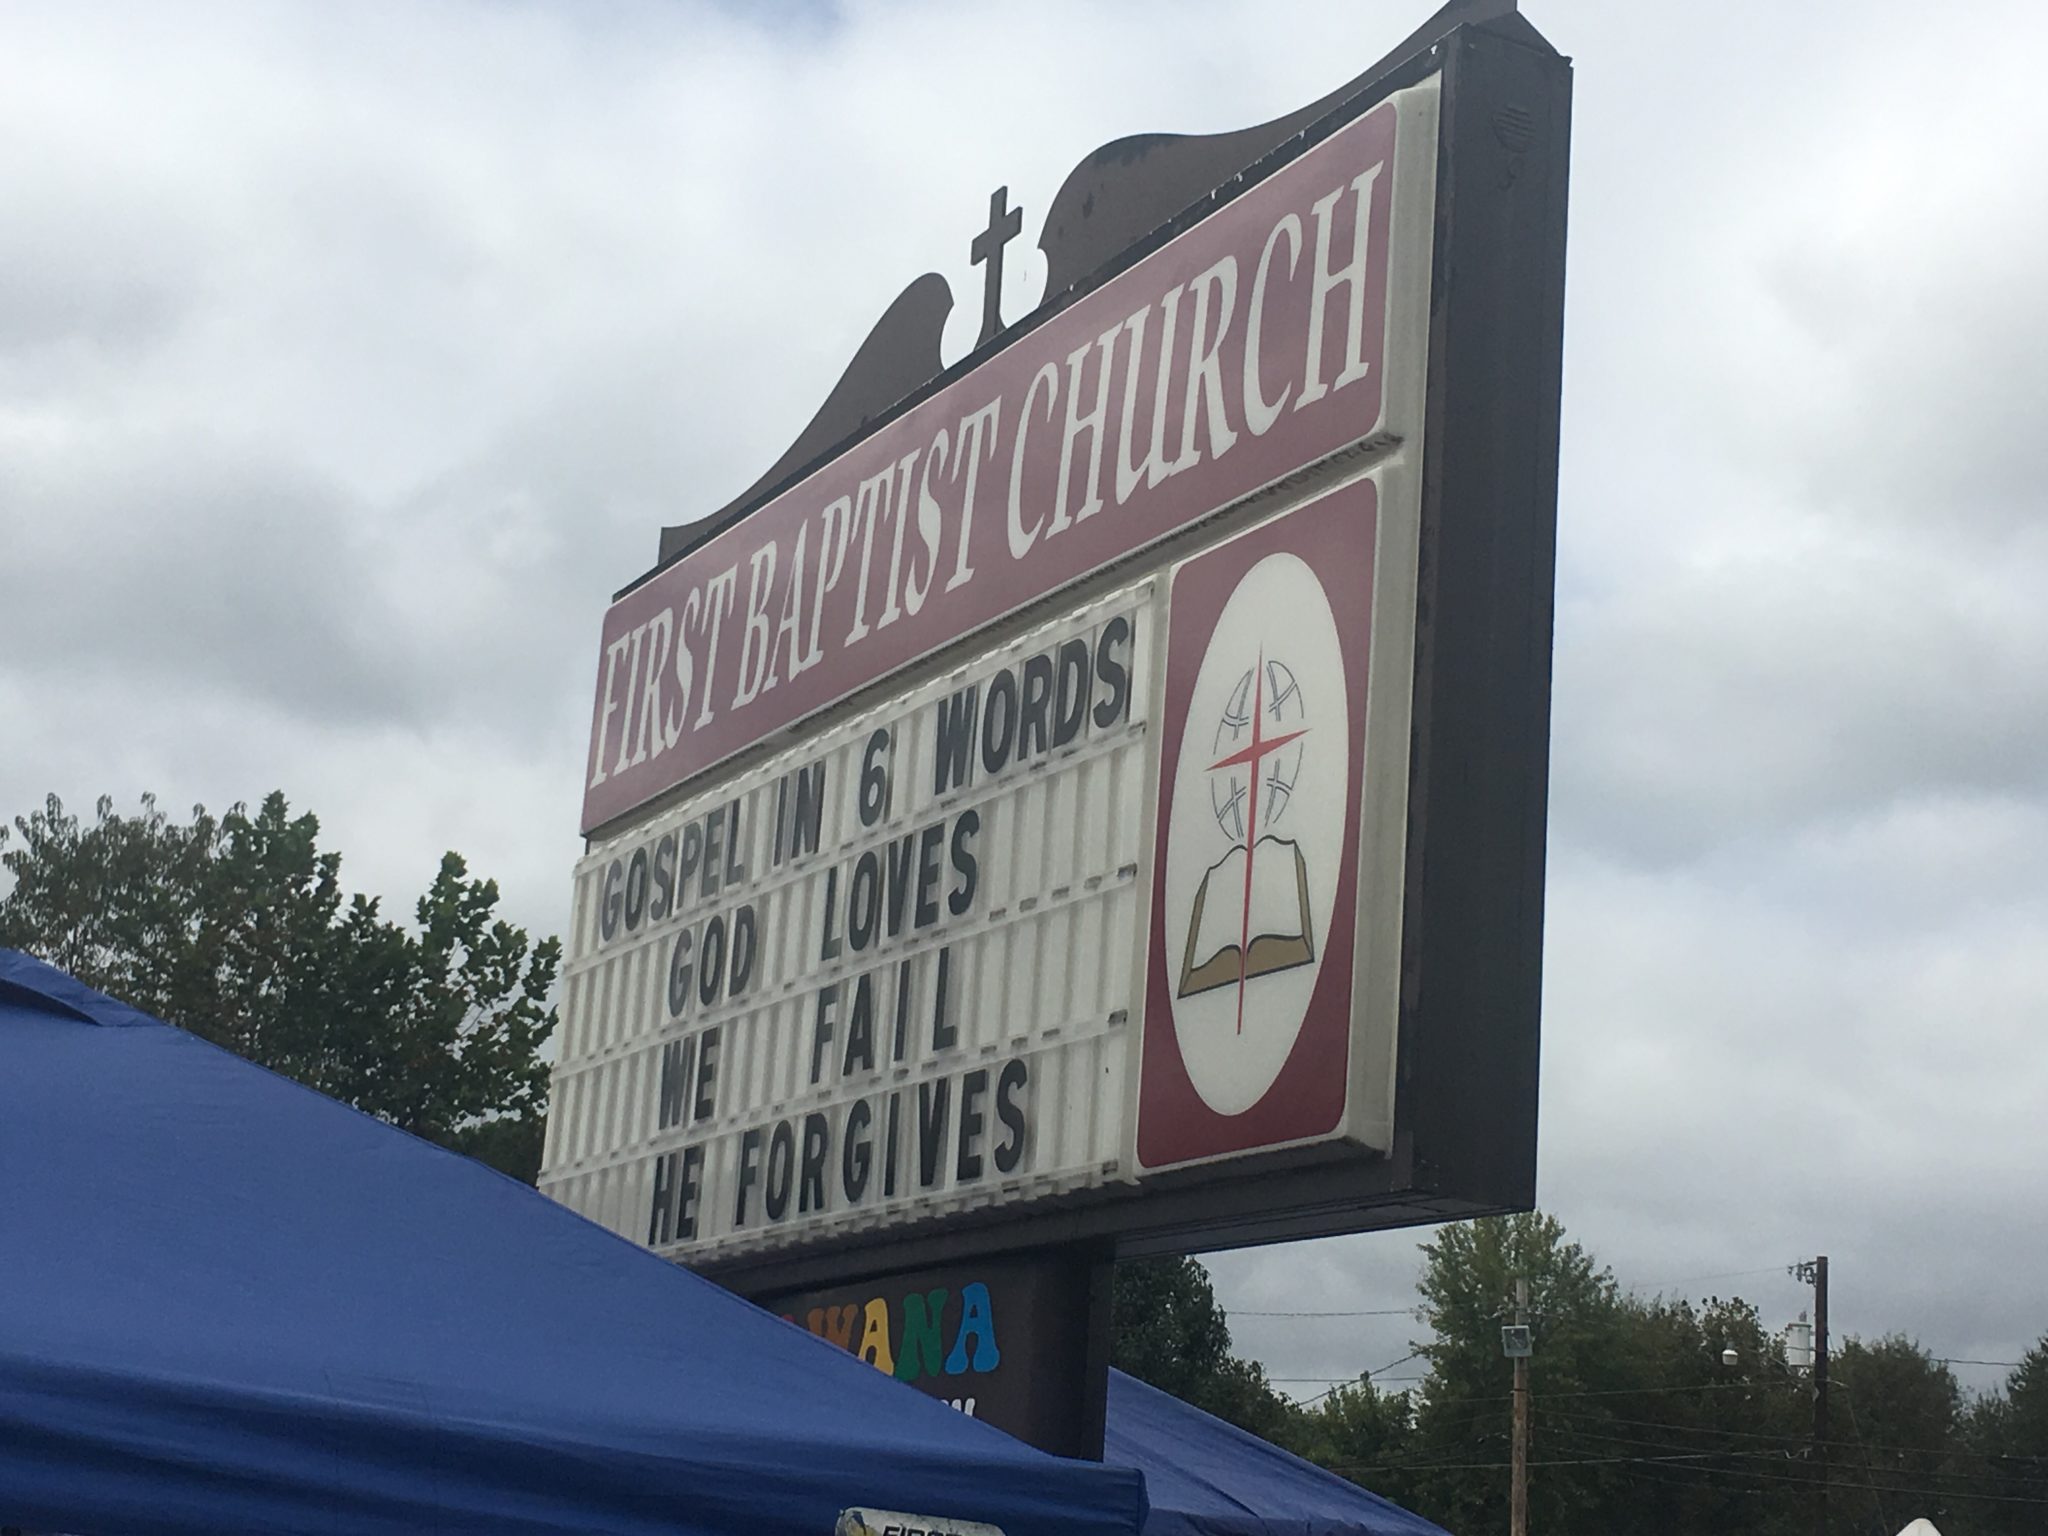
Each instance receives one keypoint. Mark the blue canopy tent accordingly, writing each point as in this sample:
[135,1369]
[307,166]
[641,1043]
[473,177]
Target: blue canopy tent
[1208,1478]
[228,1305]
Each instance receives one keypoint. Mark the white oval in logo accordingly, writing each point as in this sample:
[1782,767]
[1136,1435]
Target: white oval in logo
[1254,832]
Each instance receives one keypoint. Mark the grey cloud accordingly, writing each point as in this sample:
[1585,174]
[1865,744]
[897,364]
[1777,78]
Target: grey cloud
[1818,680]
[172,562]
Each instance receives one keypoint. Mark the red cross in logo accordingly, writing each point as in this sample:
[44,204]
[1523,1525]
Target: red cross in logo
[1250,754]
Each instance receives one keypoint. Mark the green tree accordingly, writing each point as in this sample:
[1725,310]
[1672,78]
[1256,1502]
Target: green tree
[2008,1439]
[1463,1418]
[1709,1445]
[1365,1434]
[1169,1330]
[1897,1447]
[1636,1422]
[236,928]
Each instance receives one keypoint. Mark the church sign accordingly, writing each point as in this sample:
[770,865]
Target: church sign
[1096,804]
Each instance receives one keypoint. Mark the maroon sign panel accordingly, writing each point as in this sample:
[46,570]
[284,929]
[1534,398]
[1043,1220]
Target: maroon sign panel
[1246,348]
[1254,913]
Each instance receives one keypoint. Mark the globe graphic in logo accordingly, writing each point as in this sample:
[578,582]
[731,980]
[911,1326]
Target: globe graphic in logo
[1230,791]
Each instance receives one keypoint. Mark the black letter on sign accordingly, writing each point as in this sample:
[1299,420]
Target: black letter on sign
[686,861]
[931,1127]
[661,1217]
[858,1155]
[810,810]
[636,890]
[677,1057]
[810,1195]
[707,1075]
[874,779]
[693,1184]
[902,1008]
[664,877]
[860,1029]
[714,852]
[999,722]
[972,1087]
[1037,705]
[610,901]
[711,972]
[781,1169]
[864,901]
[965,825]
[954,760]
[828,948]
[745,941]
[1070,692]
[1114,672]
[735,855]
[750,1170]
[901,854]
[945,1031]
[929,842]
[1010,1086]
[889,1146]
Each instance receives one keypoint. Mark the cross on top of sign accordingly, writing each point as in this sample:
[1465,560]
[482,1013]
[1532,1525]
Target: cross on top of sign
[1004,225]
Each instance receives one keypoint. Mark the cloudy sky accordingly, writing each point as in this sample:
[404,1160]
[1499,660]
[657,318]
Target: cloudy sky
[351,356]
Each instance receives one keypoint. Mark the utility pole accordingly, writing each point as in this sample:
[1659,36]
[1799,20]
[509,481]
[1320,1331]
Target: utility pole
[1518,1489]
[1815,1273]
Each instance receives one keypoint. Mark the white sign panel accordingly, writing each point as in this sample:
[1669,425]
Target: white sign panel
[887,975]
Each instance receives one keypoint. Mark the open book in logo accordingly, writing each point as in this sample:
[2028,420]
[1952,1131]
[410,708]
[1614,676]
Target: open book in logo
[1251,919]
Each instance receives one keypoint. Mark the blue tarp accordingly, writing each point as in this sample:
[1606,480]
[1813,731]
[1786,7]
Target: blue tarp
[228,1305]
[1209,1478]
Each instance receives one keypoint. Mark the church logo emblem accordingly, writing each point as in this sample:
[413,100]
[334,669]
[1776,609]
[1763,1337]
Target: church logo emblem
[1254,830]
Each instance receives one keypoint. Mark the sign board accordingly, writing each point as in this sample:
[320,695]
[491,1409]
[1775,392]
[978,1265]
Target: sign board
[1014,1343]
[1104,801]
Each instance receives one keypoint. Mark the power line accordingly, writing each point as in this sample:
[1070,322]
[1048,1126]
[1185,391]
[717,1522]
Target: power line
[1557,1397]
[1570,1419]
[1728,1274]
[1691,1459]
[1804,1478]
[1377,1312]
[1346,1381]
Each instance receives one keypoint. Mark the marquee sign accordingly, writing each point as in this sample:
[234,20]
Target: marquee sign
[884,976]
[1103,801]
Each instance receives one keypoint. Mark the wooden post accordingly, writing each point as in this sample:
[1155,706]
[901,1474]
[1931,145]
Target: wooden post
[1820,1395]
[1518,1488]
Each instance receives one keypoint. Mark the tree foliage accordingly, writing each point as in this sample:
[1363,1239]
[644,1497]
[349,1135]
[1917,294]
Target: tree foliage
[236,928]
[1169,1330]
[1638,1421]
[2008,1438]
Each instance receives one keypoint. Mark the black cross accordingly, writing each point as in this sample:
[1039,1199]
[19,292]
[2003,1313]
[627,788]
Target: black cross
[1004,225]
